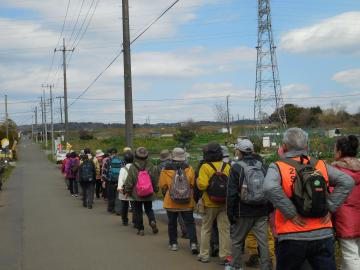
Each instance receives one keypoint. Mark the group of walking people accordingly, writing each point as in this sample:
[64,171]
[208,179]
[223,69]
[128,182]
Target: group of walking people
[294,205]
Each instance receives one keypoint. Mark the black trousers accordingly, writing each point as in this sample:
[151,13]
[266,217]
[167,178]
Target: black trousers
[73,184]
[88,193]
[125,211]
[98,188]
[189,221]
[111,195]
[138,210]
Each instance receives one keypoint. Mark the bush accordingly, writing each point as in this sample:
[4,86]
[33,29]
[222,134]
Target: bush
[85,135]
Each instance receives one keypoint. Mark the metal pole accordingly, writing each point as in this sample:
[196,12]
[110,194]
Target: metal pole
[61,111]
[42,120]
[52,122]
[129,126]
[6,118]
[32,128]
[45,121]
[65,95]
[36,123]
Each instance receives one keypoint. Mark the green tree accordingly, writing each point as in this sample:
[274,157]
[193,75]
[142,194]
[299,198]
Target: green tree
[185,133]
[13,132]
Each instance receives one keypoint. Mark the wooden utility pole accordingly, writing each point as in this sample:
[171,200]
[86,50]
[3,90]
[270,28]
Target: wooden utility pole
[64,50]
[129,125]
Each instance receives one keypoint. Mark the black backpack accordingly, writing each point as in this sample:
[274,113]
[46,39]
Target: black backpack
[310,189]
[87,171]
[218,182]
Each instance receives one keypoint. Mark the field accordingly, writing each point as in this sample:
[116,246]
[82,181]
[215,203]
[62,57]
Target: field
[320,145]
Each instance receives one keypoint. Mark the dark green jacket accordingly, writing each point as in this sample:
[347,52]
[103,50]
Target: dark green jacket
[131,180]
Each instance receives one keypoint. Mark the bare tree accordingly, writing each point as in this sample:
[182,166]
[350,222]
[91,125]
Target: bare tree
[221,114]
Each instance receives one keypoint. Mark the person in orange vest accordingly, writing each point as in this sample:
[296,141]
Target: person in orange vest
[303,215]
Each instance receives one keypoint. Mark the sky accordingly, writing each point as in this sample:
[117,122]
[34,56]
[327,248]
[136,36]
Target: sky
[191,59]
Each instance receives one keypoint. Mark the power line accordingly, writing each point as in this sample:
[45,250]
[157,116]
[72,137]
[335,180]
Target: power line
[61,33]
[84,32]
[77,20]
[118,55]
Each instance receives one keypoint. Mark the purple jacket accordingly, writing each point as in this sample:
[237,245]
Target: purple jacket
[68,171]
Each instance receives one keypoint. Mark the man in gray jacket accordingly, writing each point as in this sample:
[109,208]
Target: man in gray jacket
[302,238]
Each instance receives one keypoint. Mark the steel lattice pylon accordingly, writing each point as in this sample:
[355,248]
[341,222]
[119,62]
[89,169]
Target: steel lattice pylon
[268,94]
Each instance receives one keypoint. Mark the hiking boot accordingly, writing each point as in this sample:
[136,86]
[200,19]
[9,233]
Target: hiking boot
[173,247]
[141,232]
[225,261]
[194,249]
[125,223]
[89,207]
[253,261]
[153,227]
[202,259]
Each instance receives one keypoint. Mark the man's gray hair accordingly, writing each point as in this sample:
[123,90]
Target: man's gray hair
[295,139]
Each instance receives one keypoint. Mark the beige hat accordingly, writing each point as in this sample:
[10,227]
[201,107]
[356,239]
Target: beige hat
[127,149]
[165,155]
[99,153]
[178,154]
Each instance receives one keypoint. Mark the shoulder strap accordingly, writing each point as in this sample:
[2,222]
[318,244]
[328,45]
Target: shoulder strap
[212,166]
[138,168]
[223,167]
[242,164]
[313,161]
[296,164]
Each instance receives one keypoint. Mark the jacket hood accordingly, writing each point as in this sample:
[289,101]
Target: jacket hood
[350,163]
[351,166]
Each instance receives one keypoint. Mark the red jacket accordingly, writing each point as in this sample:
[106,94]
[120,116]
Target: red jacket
[347,216]
[63,164]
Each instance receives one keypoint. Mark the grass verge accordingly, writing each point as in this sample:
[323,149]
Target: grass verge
[7,173]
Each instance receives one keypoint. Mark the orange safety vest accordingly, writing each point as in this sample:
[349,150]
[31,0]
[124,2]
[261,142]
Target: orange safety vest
[285,226]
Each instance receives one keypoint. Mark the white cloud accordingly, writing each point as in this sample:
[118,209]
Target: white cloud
[216,90]
[336,34]
[295,91]
[349,78]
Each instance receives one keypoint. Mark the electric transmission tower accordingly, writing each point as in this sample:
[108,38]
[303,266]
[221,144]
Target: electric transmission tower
[268,94]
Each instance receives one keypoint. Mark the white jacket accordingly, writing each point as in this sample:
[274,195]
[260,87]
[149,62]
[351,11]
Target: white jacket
[121,181]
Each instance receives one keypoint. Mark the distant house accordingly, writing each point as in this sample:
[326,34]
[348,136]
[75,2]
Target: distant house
[224,130]
[332,133]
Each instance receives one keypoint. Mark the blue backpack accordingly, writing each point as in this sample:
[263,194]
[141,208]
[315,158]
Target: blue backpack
[114,169]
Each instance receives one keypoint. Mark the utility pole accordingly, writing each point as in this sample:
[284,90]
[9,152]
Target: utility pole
[129,126]
[228,114]
[45,121]
[64,50]
[6,118]
[61,110]
[32,127]
[36,123]
[50,86]
[42,119]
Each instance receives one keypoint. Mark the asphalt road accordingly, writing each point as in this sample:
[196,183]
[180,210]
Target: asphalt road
[42,227]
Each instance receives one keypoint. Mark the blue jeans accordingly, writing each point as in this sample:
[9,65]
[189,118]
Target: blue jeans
[291,254]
